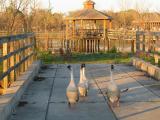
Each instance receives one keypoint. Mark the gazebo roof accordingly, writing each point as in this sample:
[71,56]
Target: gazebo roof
[89,13]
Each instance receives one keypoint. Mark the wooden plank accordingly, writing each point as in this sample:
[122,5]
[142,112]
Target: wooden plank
[15,52]
[15,66]
[11,38]
[4,80]
[12,75]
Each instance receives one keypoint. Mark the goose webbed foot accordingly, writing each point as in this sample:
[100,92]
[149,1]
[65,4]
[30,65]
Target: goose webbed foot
[77,99]
[69,104]
[86,93]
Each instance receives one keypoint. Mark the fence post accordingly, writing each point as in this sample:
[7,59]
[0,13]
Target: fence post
[4,82]
[12,74]
[26,53]
[17,43]
[137,42]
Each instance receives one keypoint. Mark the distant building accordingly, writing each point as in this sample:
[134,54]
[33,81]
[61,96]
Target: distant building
[152,22]
[86,29]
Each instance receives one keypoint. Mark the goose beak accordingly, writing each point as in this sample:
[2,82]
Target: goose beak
[69,67]
[112,67]
[83,65]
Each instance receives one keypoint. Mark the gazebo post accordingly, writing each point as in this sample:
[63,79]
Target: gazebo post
[81,41]
[110,24]
[67,31]
[73,33]
[104,34]
[81,27]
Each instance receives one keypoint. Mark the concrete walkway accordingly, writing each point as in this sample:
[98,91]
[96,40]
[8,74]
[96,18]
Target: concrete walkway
[45,99]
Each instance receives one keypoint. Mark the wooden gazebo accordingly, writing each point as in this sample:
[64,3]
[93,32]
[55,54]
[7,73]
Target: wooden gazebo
[86,29]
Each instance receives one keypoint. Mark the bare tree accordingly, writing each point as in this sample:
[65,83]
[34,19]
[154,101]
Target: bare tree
[13,9]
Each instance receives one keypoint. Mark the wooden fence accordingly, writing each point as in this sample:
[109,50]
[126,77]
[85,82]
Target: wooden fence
[123,40]
[50,41]
[148,42]
[18,52]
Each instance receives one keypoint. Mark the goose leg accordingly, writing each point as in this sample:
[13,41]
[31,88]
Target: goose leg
[77,99]
[118,105]
[69,104]
[86,93]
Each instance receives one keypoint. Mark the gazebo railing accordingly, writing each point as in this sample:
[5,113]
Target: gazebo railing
[17,54]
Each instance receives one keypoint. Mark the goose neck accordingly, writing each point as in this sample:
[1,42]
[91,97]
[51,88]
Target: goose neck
[71,74]
[111,76]
[81,75]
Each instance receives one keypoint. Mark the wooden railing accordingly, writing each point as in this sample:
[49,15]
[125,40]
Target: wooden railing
[123,40]
[18,53]
[149,43]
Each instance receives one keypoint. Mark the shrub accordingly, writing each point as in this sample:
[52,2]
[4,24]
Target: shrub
[113,50]
[46,56]
[152,60]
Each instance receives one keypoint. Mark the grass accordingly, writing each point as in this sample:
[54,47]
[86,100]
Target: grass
[117,58]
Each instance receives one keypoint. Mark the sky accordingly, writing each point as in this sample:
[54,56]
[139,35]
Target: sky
[64,6]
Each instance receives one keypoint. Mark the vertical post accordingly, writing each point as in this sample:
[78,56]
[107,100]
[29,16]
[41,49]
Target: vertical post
[132,46]
[81,35]
[21,56]
[104,34]
[144,43]
[81,27]
[34,49]
[23,52]
[47,40]
[30,51]
[86,46]
[98,45]
[78,46]
[17,44]
[110,24]
[94,45]
[137,42]
[4,82]
[26,53]
[73,30]
[12,75]
[66,29]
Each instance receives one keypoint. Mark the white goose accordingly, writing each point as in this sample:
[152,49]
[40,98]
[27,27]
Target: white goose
[82,85]
[72,91]
[84,77]
[113,92]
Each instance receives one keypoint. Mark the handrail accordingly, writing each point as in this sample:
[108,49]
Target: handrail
[11,38]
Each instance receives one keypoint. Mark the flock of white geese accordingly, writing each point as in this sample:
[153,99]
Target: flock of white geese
[73,92]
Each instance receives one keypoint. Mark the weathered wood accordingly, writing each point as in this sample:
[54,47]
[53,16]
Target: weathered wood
[150,43]
[3,76]
[104,35]
[11,38]
[4,82]
[12,75]
[17,51]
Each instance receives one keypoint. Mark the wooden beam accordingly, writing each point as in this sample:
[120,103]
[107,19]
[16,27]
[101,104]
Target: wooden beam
[67,22]
[4,82]
[12,62]
[11,38]
[110,24]
[104,35]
